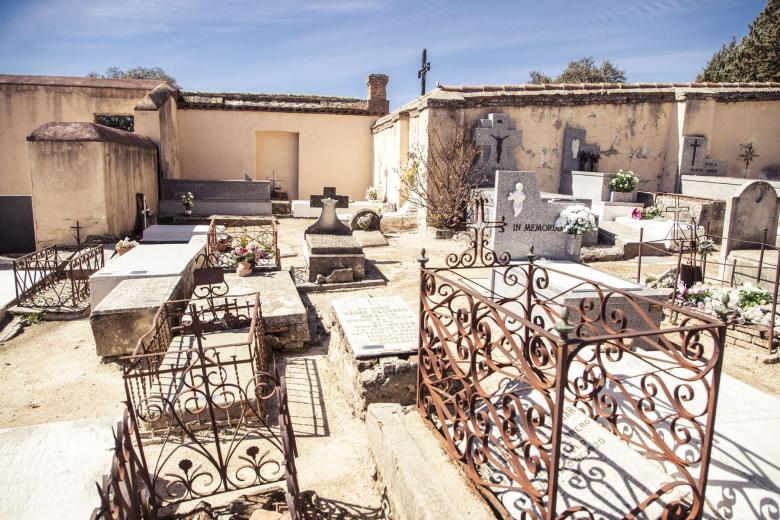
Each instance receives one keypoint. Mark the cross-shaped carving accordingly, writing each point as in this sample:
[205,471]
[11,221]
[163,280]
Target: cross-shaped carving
[500,134]
[329,192]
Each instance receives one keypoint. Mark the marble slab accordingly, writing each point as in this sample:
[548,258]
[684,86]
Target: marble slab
[377,326]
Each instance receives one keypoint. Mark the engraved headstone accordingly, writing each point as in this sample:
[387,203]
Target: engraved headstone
[378,326]
[694,160]
[751,210]
[531,221]
[497,136]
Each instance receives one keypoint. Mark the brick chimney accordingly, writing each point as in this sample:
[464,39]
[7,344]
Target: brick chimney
[377,93]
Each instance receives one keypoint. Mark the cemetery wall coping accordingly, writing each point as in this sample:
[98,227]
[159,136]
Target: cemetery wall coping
[71,81]
[80,132]
[268,102]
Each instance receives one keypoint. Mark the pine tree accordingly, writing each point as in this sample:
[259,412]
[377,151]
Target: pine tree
[583,70]
[756,57]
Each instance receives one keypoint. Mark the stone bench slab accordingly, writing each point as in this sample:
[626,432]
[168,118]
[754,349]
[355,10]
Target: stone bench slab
[128,311]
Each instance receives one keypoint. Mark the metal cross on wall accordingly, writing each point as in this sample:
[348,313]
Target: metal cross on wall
[425,68]
[694,144]
[275,181]
[499,133]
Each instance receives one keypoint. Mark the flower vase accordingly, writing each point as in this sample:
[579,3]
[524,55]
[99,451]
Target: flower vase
[243,269]
[622,196]
[188,212]
[573,245]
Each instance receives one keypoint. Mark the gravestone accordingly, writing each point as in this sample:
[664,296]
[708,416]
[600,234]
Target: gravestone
[577,155]
[751,210]
[497,135]
[377,326]
[531,221]
[328,246]
[329,192]
[694,160]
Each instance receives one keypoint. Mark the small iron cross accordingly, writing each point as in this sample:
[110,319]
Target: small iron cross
[77,236]
[425,68]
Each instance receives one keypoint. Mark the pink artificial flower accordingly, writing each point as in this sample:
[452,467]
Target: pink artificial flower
[637,214]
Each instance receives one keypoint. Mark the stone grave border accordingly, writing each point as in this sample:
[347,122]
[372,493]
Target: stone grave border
[467,335]
[46,282]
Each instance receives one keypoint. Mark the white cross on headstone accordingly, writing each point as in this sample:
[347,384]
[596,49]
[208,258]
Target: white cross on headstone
[500,134]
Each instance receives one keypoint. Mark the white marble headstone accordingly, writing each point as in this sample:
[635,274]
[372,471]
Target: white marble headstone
[377,326]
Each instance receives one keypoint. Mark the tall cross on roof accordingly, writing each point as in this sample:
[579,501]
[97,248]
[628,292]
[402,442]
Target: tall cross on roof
[425,68]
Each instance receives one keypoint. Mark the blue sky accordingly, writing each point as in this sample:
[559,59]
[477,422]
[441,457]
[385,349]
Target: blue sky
[330,46]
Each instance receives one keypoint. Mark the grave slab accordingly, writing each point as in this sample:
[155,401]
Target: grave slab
[570,291]
[127,312]
[174,233]
[419,478]
[49,470]
[148,261]
[374,349]
[370,238]
[283,310]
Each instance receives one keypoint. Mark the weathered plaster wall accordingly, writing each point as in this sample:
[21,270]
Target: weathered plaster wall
[92,182]
[631,136]
[738,123]
[25,104]
[127,170]
[67,185]
[334,149]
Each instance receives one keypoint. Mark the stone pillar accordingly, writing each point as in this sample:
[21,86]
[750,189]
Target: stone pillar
[377,93]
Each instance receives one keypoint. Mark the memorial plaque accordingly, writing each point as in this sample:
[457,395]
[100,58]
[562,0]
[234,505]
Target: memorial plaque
[377,326]
[531,220]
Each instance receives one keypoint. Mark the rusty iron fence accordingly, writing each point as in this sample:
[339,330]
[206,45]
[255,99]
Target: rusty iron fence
[503,372]
[692,267]
[44,280]
[197,385]
[125,492]
[225,234]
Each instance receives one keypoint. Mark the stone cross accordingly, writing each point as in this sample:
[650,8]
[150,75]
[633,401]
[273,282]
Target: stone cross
[500,134]
[329,192]
[425,68]
[328,223]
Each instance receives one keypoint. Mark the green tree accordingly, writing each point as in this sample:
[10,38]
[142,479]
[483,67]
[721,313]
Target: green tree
[583,70]
[756,57]
[136,73]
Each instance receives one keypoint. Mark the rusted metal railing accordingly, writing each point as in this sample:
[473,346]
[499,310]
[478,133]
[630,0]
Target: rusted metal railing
[502,370]
[43,280]
[226,233]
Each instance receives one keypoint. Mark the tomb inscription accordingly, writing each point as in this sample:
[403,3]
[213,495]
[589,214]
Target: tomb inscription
[377,326]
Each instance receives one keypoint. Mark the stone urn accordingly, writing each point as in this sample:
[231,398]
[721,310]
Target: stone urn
[243,269]
[188,212]
[573,244]
[622,196]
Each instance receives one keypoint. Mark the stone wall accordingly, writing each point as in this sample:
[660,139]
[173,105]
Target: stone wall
[638,127]
[751,337]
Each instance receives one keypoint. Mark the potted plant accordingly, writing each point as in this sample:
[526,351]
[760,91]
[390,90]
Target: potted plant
[246,255]
[188,201]
[623,186]
[372,193]
[125,245]
[575,221]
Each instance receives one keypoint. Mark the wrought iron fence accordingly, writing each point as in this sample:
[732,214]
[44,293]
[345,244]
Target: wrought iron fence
[198,384]
[226,234]
[45,281]
[503,373]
